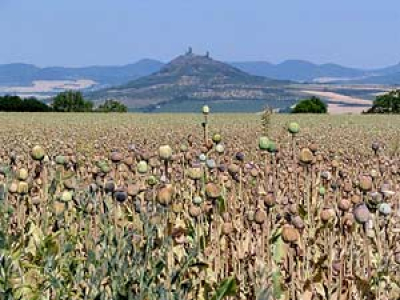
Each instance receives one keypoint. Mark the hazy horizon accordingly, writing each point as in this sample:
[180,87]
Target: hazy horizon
[75,33]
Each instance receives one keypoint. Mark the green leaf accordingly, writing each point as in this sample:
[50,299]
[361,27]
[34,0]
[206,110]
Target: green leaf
[227,288]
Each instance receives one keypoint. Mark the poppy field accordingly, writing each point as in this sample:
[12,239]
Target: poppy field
[199,206]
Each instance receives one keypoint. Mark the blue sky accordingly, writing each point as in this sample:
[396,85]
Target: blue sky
[360,33]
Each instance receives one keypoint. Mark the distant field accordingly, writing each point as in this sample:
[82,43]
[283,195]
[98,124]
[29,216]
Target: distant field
[45,88]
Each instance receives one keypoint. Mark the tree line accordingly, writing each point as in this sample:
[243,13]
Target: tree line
[68,101]
[388,103]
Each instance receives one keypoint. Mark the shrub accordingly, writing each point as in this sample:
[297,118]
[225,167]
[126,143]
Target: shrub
[387,103]
[313,105]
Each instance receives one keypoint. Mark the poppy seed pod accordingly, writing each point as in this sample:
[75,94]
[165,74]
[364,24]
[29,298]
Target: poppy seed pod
[60,160]
[306,156]
[194,211]
[66,196]
[213,191]
[271,147]
[116,157]
[239,156]
[220,148]
[263,143]
[165,195]
[23,174]
[165,152]
[142,167]
[361,213]
[202,157]
[109,187]
[37,153]
[365,183]
[206,110]
[375,146]
[197,200]
[216,138]
[293,128]
[211,164]
[384,209]
[290,234]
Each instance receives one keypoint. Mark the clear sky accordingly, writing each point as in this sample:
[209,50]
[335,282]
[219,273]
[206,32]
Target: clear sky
[360,33]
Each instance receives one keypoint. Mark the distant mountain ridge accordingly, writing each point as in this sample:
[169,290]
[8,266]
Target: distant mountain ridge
[24,74]
[295,70]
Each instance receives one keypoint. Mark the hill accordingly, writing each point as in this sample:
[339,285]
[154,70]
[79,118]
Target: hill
[25,74]
[193,78]
[299,70]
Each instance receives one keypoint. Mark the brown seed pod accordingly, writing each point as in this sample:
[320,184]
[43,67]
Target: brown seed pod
[327,214]
[306,156]
[348,220]
[116,157]
[365,183]
[233,169]
[195,211]
[356,199]
[269,200]
[344,204]
[165,194]
[290,234]
[213,191]
[260,216]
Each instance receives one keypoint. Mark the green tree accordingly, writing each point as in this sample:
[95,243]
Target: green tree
[313,105]
[112,106]
[16,104]
[388,103]
[71,101]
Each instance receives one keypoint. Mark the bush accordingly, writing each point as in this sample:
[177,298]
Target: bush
[313,105]
[112,106]
[71,101]
[387,104]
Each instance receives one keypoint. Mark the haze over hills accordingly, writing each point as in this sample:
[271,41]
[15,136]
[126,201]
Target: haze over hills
[193,78]
[17,75]
[25,74]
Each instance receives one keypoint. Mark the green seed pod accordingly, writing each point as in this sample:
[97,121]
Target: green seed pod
[216,138]
[152,180]
[23,188]
[23,174]
[60,160]
[263,143]
[206,110]
[165,152]
[197,200]
[37,153]
[66,196]
[321,191]
[294,128]
[142,167]
[271,147]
